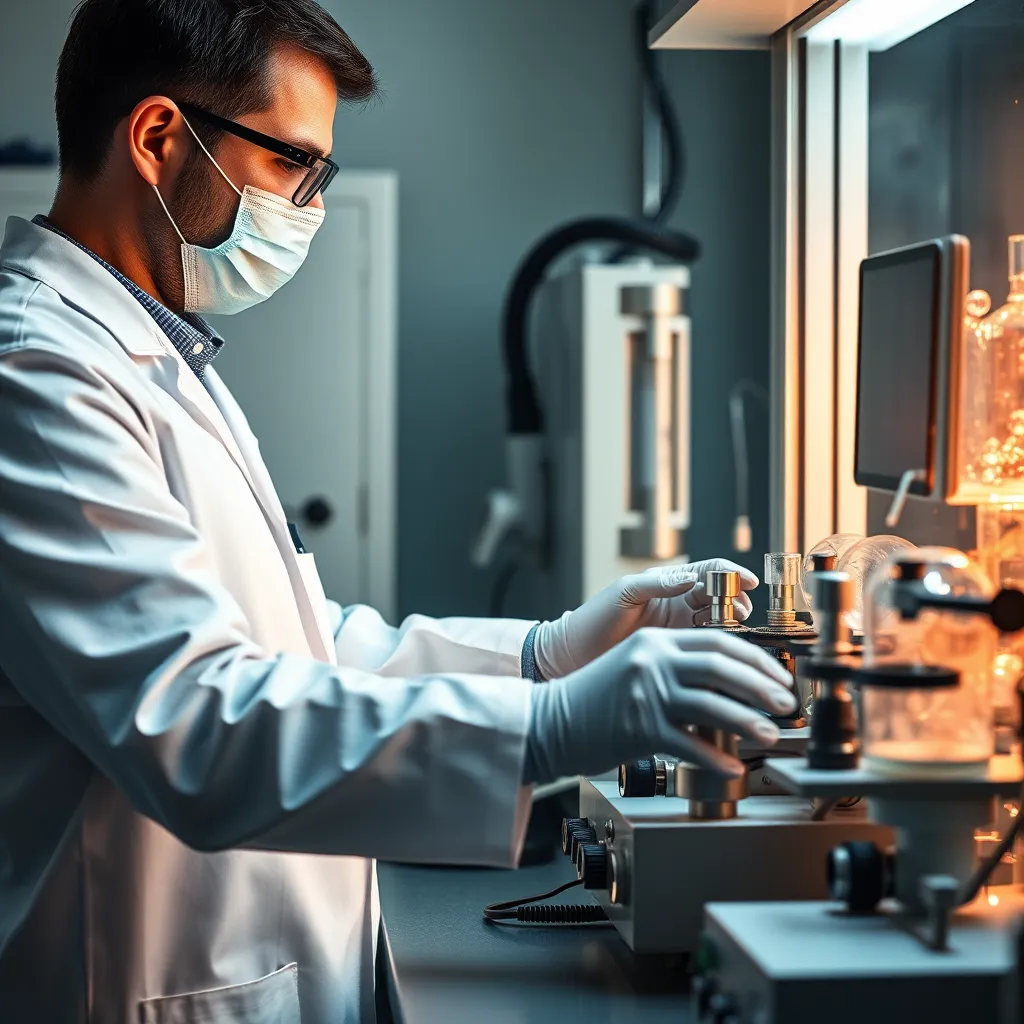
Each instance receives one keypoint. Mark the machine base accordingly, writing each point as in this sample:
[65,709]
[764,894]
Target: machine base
[669,866]
[804,963]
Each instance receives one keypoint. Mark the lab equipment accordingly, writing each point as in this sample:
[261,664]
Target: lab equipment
[918,719]
[924,932]
[782,579]
[723,588]
[835,547]
[739,838]
[834,742]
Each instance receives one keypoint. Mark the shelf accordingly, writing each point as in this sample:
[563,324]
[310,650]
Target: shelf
[724,24]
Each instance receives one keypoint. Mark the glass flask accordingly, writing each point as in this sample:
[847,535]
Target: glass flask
[914,724]
[859,561]
[838,544]
[991,429]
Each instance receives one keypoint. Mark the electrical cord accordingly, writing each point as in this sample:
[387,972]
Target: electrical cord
[555,913]
[980,877]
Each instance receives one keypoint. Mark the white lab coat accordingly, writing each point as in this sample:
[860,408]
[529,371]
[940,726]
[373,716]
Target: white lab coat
[179,703]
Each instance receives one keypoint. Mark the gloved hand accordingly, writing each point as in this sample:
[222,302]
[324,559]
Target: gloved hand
[669,596]
[640,696]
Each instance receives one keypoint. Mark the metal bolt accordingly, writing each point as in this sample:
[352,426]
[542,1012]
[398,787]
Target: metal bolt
[609,830]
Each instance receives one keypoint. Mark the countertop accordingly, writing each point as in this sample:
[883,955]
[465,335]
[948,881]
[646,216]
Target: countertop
[442,963]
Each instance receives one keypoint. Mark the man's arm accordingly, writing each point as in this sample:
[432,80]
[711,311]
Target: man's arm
[500,647]
[113,625]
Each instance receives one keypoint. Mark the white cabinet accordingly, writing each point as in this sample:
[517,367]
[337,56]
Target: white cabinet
[314,370]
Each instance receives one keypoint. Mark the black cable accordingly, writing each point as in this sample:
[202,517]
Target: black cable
[984,872]
[557,913]
[674,159]
[672,135]
[524,412]
[501,587]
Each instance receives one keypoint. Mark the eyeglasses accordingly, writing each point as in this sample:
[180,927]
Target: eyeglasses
[320,170]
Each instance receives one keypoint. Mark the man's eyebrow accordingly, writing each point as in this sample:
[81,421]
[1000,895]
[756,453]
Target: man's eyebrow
[309,146]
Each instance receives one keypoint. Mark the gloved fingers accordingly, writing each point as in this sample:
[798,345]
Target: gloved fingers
[733,649]
[659,581]
[690,748]
[726,675]
[715,711]
[748,581]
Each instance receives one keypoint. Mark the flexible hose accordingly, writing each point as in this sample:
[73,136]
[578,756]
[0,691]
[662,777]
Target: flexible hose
[524,412]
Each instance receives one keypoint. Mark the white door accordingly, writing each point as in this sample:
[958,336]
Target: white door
[296,365]
[313,368]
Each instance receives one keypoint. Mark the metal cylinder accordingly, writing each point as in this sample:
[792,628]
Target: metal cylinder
[723,588]
[782,577]
[712,797]
[834,595]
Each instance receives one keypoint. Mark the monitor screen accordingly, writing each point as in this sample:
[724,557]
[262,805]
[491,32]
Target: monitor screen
[896,365]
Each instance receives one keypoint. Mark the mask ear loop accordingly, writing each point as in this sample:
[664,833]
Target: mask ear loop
[212,161]
[207,152]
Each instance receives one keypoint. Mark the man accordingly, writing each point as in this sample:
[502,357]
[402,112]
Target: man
[186,724]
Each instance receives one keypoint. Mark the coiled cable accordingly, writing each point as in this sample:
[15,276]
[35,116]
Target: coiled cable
[554,913]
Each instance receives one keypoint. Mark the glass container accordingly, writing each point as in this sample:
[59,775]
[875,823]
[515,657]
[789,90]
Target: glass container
[838,544]
[919,724]
[859,561]
[991,430]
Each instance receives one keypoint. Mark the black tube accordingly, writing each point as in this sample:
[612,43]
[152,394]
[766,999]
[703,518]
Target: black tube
[524,412]
[672,136]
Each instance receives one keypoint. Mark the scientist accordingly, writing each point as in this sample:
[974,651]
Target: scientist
[187,726]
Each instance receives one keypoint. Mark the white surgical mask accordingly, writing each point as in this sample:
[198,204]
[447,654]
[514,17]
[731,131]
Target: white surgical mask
[266,247]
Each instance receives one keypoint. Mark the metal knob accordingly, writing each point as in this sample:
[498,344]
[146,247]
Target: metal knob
[723,588]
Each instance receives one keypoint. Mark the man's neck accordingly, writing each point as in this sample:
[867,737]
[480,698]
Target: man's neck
[82,216]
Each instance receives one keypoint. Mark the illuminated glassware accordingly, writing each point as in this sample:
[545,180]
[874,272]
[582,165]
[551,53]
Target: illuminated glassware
[917,726]
[991,429]
[859,561]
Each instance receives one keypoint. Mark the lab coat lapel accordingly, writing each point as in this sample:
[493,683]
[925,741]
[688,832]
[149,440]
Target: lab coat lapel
[44,256]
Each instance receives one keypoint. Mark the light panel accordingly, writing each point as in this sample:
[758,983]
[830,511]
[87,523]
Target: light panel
[881,24]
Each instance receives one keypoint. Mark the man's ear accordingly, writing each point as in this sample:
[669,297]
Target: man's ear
[158,139]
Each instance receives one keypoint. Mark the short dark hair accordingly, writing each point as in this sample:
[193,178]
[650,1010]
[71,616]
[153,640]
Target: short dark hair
[211,53]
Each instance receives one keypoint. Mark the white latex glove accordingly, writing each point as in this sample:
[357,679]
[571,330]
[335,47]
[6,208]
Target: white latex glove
[640,696]
[671,597]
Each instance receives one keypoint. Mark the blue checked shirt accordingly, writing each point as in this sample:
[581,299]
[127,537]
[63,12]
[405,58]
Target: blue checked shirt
[195,340]
[198,344]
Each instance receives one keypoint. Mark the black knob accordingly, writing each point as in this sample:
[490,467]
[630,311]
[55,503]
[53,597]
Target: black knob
[859,875]
[569,825]
[317,512]
[578,835]
[592,865]
[639,778]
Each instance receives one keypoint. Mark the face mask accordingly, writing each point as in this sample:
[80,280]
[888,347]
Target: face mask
[266,247]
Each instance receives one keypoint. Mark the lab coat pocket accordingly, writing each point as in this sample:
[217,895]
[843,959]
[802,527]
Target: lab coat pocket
[273,999]
[318,599]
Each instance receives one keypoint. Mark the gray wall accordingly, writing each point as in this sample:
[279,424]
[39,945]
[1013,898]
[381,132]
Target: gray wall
[502,120]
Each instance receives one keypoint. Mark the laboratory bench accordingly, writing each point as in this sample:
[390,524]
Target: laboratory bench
[441,962]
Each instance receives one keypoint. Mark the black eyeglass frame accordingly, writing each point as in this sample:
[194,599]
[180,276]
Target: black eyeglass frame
[322,170]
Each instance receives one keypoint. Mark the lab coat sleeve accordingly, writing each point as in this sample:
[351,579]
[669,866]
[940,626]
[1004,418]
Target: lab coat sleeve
[115,628]
[420,644]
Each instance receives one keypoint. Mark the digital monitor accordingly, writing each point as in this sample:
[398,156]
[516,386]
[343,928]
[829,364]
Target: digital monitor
[907,344]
